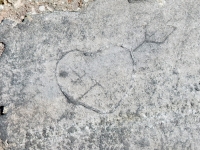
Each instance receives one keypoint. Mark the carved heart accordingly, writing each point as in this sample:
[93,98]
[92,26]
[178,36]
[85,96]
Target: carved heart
[98,81]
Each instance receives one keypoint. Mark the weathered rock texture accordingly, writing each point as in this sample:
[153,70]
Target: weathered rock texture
[2,47]
[18,10]
[122,75]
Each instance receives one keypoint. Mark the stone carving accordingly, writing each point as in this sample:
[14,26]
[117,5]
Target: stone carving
[98,81]
[133,1]
[158,35]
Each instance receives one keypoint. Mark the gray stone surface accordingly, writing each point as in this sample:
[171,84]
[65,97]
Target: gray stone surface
[119,75]
[98,80]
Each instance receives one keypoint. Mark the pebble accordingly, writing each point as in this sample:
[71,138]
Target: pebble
[1,7]
[42,8]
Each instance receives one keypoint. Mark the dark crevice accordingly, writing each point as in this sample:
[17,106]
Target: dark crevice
[2,110]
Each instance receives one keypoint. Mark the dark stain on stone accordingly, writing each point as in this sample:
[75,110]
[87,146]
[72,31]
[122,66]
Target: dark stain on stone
[72,129]
[196,87]
[63,74]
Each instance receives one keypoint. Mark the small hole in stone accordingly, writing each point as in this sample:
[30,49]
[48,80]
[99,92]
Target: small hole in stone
[63,74]
[86,54]
[2,110]
[197,89]
[24,18]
